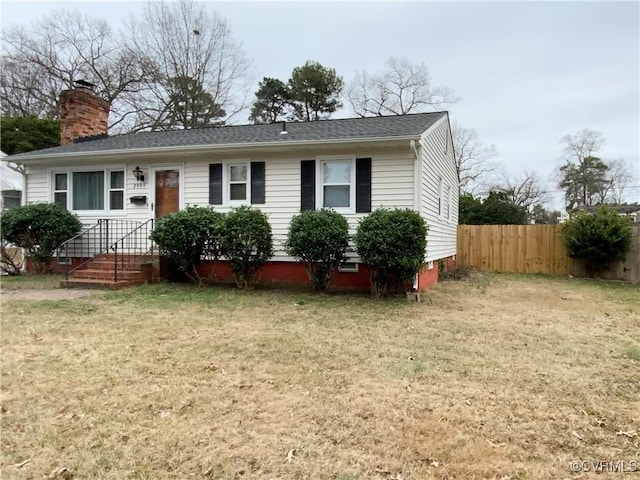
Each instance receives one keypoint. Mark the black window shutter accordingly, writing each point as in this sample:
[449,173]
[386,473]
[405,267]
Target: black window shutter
[215,184]
[308,184]
[363,185]
[257,182]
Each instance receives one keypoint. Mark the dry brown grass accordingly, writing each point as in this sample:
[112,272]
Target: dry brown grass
[28,281]
[511,378]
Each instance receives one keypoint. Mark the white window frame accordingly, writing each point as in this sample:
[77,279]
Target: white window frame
[321,161]
[55,190]
[226,182]
[112,189]
[440,199]
[450,200]
[106,211]
[448,203]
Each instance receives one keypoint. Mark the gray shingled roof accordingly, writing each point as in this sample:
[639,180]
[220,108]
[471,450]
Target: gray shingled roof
[623,208]
[338,129]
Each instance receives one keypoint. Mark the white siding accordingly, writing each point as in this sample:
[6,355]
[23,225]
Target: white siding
[392,181]
[438,162]
[37,185]
[39,189]
[392,185]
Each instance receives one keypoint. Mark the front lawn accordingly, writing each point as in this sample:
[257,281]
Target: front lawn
[501,377]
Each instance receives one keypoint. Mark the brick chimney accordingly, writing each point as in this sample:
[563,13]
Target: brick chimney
[82,113]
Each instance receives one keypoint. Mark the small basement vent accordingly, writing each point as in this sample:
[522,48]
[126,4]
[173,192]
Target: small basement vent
[349,267]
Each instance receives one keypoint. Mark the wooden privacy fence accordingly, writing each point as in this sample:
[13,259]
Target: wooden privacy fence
[532,249]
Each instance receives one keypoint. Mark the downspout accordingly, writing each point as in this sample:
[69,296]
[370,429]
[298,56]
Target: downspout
[23,201]
[412,145]
[417,193]
[417,175]
[23,197]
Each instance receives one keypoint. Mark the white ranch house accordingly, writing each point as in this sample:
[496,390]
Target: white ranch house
[351,165]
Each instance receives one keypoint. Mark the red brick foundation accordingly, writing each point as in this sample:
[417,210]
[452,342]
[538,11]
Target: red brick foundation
[429,277]
[291,273]
[294,273]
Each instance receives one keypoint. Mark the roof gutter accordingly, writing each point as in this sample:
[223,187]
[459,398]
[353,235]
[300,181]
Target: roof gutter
[132,152]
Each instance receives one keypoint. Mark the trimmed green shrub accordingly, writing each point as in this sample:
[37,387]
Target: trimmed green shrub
[393,243]
[319,239]
[39,228]
[598,238]
[188,238]
[247,243]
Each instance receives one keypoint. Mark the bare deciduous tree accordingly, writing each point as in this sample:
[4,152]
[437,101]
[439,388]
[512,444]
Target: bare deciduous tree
[585,143]
[525,190]
[618,178]
[173,45]
[26,91]
[402,87]
[586,178]
[187,44]
[51,54]
[473,159]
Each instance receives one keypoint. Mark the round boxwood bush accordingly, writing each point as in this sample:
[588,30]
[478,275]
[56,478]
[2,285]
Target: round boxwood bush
[246,243]
[188,238]
[598,238]
[39,228]
[319,239]
[393,243]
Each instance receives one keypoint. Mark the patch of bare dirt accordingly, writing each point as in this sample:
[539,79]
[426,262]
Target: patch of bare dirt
[58,294]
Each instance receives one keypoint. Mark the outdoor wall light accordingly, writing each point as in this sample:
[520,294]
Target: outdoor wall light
[139,174]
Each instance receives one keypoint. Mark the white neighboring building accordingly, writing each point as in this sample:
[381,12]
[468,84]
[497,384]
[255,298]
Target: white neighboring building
[11,185]
[564,216]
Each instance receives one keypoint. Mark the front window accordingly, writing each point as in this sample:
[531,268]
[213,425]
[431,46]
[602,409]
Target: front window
[238,180]
[99,190]
[116,190]
[336,184]
[88,190]
[60,189]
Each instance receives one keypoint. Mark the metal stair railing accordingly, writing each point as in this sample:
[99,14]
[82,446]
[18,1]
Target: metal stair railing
[83,246]
[129,249]
[98,239]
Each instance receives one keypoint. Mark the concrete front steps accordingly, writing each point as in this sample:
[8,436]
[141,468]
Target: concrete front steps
[99,273]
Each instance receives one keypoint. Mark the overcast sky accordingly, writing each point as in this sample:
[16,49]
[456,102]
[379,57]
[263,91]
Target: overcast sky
[526,73]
